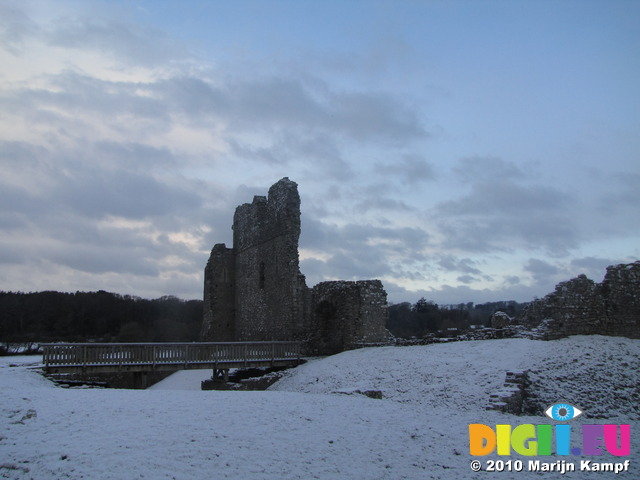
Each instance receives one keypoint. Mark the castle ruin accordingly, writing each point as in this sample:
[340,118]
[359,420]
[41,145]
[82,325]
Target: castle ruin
[254,291]
[582,307]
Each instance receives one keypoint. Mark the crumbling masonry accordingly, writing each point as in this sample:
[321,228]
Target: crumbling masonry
[582,307]
[255,291]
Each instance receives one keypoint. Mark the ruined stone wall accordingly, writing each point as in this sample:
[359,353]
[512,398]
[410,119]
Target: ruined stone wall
[346,314]
[219,296]
[510,398]
[582,307]
[621,291]
[255,291]
[270,290]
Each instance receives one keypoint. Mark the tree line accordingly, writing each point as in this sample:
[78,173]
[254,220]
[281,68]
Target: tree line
[39,317]
[425,317]
[96,316]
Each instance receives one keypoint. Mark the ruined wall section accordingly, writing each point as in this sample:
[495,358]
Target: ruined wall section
[219,296]
[347,314]
[621,292]
[270,290]
[574,308]
[255,291]
[582,307]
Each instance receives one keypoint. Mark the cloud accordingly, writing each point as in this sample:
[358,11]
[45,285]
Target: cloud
[15,26]
[512,280]
[357,251]
[411,169]
[96,178]
[114,182]
[593,267]
[324,236]
[97,213]
[105,34]
[123,194]
[454,295]
[355,265]
[617,205]
[382,203]
[486,169]
[267,104]
[467,279]
[503,215]
[320,154]
[452,264]
[546,275]
[384,54]
[123,155]
[378,197]
[375,115]
[540,268]
[105,259]
[81,110]
[134,156]
[506,198]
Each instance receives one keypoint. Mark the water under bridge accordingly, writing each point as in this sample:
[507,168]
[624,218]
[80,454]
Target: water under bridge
[142,358]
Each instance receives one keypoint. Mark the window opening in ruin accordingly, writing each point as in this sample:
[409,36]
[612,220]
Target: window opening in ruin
[261,275]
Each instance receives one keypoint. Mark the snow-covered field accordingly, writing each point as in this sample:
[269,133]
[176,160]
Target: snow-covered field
[307,426]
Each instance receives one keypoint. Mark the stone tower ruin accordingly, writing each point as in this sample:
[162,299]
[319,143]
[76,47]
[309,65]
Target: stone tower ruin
[254,291]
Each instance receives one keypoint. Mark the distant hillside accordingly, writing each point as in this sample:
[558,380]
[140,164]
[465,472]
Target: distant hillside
[96,316]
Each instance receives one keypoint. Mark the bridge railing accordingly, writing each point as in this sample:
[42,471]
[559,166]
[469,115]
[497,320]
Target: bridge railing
[132,354]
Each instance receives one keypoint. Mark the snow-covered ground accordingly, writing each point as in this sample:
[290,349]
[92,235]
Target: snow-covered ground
[306,426]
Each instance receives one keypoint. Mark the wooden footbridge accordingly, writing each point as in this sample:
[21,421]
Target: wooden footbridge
[152,357]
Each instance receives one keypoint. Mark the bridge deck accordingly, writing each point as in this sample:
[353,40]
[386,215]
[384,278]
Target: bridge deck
[147,357]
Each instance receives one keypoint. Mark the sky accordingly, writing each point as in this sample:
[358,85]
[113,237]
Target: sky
[460,151]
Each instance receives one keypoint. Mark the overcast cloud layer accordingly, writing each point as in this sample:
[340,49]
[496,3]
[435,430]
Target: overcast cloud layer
[460,151]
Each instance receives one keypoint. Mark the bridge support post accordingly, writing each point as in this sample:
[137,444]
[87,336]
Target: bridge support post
[140,380]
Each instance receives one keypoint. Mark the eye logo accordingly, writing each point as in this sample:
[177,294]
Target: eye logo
[563,412]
